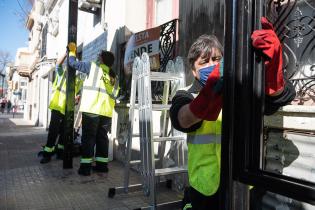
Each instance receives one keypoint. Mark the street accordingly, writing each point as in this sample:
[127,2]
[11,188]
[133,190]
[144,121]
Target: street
[27,184]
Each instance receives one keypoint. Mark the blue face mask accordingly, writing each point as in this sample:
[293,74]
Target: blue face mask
[204,73]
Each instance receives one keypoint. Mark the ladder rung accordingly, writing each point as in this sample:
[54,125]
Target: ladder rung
[161,106]
[138,134]
[162,76]
[156,107]
[168,171]
[171,138]
[134,162]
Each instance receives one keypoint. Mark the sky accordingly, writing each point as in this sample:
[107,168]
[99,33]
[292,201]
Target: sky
[13,33]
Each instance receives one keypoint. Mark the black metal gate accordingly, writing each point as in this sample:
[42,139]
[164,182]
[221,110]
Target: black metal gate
[242,143]
[294,21]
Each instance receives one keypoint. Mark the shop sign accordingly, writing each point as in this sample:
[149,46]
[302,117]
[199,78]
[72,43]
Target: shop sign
[145,41]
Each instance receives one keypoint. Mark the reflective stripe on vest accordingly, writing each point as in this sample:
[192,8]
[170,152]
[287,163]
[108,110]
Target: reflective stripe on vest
[204,157]
[101,90]
[204,139]
[98,96]
[209,132]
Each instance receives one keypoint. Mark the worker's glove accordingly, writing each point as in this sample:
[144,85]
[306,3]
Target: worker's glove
[207,105]
[72,48]
[266,42]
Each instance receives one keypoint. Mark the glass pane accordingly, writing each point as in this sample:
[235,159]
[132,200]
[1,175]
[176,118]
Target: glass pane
[289,134]
[265,200]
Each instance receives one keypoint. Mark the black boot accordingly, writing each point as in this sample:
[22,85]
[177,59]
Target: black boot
[46,157]
[85,169]
[59,154]
[100,167]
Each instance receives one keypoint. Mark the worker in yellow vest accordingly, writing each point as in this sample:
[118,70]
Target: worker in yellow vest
[99,92]
[196,110]
[57,106]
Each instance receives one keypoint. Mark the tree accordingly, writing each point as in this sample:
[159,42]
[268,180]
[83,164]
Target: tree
[5,58]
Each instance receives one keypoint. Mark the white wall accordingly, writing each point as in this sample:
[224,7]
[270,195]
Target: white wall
[127,13]
[163,11]
[56,45]
[55,48]
[62,38]
[136,15]
[35,99]
[119,13]
[43,103]
[27,108]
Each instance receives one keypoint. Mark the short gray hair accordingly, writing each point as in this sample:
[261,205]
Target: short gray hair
[203,47]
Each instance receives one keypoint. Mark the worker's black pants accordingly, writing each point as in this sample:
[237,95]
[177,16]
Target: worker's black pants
[56,127]
[200,201]
[94,132]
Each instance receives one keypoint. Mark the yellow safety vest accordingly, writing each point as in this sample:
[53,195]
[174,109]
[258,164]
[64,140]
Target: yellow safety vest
[204,157]
[58,99]
[98,96]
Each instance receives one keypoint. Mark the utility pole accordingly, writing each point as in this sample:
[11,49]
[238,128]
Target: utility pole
[69,113]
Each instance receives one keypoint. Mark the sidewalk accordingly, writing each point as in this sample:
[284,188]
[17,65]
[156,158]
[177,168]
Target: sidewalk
[25,184]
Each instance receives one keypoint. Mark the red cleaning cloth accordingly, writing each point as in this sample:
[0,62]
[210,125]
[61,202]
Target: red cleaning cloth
[267,41]
[207,105]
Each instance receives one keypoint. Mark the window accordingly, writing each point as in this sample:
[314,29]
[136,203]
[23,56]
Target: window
[44,41]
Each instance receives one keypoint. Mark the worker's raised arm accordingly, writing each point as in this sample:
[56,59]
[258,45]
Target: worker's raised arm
[77,65]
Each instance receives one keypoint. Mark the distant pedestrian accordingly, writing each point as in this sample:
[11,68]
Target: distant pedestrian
[2,105]
[9,106]
[14,108]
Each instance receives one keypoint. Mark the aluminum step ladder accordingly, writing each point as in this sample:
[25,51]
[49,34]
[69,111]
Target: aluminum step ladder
[174,79]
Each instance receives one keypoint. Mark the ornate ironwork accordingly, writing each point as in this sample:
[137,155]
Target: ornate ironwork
[294,21]
[167,43]
[167,52]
